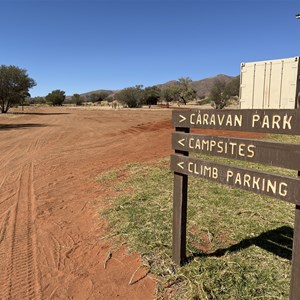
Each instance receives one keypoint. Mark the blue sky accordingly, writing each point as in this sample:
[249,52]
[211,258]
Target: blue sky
[79,46]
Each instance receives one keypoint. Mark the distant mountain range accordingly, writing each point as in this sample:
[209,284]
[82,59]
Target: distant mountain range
[202,87]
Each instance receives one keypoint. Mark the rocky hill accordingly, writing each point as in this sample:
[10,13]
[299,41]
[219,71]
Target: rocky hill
[201,86]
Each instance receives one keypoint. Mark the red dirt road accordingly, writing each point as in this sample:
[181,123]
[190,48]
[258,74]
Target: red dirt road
[50,230]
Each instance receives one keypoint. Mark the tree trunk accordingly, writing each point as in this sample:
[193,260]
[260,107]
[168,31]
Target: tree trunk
[5,108]
[183,100]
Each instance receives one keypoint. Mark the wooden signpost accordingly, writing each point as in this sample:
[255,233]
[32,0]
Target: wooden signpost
[269,153]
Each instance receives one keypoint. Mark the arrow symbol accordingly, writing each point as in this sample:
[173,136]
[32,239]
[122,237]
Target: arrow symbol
[181,142]
[183,118]
[180,165]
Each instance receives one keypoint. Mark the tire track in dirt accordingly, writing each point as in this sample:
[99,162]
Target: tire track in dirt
[58,264]
[19,280]
[7,157]
[8,190]
[33,146]
[68,153]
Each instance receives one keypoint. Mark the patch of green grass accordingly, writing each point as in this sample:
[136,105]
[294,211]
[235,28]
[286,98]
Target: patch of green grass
[108,176]
[284,138]
[238,243]
[247,165]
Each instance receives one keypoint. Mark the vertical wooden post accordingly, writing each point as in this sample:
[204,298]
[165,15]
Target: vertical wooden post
[295,278]
[180,192]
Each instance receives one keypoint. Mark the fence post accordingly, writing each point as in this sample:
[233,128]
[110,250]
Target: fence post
[180,191]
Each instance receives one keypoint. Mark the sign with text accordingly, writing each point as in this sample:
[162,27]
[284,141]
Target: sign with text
[280,187]
[283,121]
[269,153]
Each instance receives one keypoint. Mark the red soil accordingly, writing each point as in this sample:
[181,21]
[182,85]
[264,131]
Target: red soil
[50,229]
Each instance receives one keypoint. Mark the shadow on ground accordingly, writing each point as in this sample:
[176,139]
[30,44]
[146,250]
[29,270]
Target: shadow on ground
[20,126]
[38,113]
[278,241]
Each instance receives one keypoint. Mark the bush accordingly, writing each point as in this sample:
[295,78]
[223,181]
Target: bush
[133,97]
[77,99]
[56,97]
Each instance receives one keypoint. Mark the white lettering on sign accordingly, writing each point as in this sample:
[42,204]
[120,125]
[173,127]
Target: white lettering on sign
[181,142]
[257,183]
[232,120]
[211,119]
[274,122]
[182,118]
[181,165]
[232,148]
[202,170]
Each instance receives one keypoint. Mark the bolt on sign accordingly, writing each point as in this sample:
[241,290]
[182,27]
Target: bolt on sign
[283,155]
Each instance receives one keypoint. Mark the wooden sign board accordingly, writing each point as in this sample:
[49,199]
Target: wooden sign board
[268,153]
[285,121]
[285,188]
[264,183]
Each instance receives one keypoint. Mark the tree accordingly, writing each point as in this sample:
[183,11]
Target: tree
[132,96]
[221,92]
[152,95]
[56,97]
[167,95]
[185,92]
[77,99]
[39,100]
[99,96]
[171,93]
[14,86]
[232,88]
[217,96]
[110,98]
[24,99]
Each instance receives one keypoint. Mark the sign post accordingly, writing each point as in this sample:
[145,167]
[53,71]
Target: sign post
[283,155]
[295,286]
[180,210]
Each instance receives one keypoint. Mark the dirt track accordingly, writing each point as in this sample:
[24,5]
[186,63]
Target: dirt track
[49,200]
[50,230]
